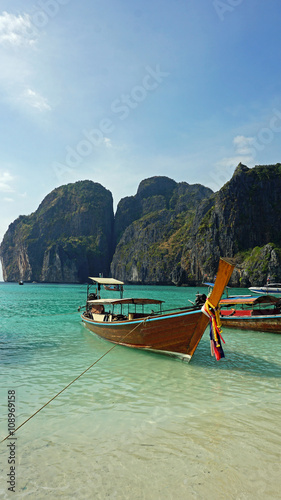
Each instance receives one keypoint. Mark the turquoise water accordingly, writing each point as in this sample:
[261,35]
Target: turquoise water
[137,425]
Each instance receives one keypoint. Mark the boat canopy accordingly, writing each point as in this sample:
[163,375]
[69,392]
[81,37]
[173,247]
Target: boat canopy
[208,283]
[124,301]
[249,300]
[106,281]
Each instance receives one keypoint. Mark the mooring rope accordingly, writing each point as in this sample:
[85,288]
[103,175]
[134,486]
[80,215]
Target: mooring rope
[66,387]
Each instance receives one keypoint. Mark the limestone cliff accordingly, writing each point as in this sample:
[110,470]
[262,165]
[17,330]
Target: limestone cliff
[151,229]
[242,220]
[168,233]
[177,234]
[68,238]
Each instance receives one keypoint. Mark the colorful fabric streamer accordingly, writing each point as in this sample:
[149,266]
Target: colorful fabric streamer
[215,329]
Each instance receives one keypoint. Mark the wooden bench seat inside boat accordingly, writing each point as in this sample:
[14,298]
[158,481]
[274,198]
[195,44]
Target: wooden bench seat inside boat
[137,315]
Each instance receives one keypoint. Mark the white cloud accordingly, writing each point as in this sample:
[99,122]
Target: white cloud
[244,145]
[233,161]
[16,30]
[35,100]
[244,152]
[107,142]
[5,180]
[18,66]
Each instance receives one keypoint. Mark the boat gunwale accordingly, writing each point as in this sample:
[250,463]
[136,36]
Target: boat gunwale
[145,319]
[253,318]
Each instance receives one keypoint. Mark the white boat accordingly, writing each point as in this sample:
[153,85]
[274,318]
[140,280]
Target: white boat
[271,288]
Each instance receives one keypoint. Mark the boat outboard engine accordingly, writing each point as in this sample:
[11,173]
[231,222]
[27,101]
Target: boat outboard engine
[200,299]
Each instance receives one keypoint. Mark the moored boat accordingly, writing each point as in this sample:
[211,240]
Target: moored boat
[271,288]
[127,322]
[248,312]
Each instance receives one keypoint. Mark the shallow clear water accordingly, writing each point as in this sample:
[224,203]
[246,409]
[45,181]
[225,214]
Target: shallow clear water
[136,425]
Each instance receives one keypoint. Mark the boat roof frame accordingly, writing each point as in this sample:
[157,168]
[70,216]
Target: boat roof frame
[106,281]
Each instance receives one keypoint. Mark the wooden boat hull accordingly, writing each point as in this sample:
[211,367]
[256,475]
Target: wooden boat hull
[169,334]
[263,323]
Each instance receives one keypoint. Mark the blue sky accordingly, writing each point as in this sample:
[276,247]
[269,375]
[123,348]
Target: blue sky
[119,91]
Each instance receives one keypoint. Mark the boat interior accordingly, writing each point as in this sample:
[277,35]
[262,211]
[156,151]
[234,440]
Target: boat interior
[121,309]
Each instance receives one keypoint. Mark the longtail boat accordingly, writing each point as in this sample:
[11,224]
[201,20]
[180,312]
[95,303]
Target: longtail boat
[271,288]
[173,332]
[249,312]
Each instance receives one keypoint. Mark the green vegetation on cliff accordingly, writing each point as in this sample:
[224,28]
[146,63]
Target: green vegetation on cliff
[180,231]
[66,239]
[245,214]
[151,241]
